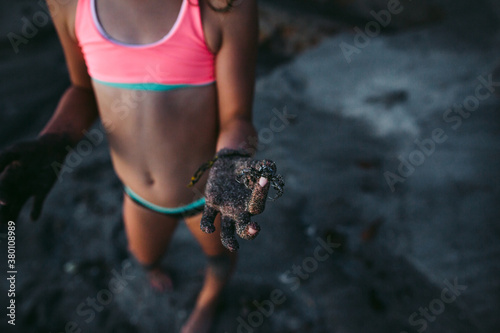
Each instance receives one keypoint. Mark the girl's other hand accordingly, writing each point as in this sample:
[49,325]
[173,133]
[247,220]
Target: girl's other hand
[29,169]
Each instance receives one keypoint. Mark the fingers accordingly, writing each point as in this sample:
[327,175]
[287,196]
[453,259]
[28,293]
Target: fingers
[7,157]
[265,173]
[8,180]
[245,228]
[227,234]
[12,198]
[10,212]
[257,202]
[37,206]
[207,220]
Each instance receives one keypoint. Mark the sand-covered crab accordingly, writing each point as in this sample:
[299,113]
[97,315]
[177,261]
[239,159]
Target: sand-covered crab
[264,171]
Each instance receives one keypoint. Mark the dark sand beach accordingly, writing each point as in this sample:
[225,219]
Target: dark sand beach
[389,144]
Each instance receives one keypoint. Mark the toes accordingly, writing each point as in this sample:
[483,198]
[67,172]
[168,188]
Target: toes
[160,281]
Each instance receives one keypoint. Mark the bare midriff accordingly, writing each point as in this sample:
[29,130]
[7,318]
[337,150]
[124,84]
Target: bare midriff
[158,139]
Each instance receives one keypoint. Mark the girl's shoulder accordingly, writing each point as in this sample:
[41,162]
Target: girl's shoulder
[63,14]
[221,16]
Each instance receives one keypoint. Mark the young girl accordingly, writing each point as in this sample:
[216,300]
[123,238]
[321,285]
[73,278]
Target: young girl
[172,81]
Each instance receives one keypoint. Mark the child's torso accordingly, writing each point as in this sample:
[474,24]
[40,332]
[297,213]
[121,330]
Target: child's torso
[158,137]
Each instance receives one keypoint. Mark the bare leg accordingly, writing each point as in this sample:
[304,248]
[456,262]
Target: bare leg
[149,235]
[221,264]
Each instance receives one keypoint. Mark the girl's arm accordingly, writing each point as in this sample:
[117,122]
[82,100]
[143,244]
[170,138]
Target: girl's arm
[235,75]
[30,168]
[237,185]
[77,109]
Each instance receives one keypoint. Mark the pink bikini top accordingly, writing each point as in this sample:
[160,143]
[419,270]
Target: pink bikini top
[180,59]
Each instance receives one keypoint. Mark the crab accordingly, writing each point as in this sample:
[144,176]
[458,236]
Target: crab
[265,169]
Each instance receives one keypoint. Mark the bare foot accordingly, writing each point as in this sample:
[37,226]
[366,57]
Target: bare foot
[160,281]
[200,320]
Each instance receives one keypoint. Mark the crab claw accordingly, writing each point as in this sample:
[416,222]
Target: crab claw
[278,184]
[266,168]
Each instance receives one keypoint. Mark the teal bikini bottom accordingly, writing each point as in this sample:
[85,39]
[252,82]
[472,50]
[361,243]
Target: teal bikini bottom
[191,209]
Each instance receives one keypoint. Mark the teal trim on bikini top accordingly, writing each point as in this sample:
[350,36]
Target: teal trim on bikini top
[165,210]
[149,86]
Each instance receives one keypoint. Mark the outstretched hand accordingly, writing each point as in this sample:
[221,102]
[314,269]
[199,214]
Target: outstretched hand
[237,188]
[26,170]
